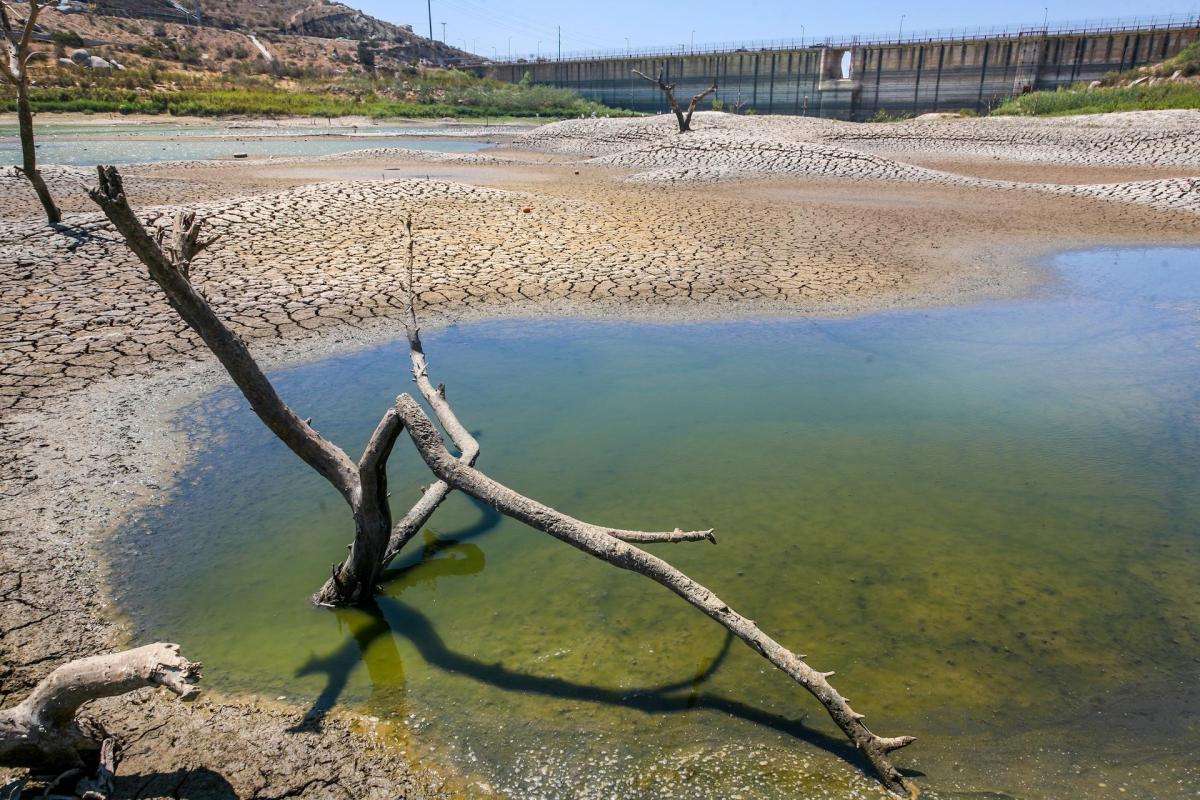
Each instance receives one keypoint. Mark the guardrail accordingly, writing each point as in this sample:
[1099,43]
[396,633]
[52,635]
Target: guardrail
[1051,28]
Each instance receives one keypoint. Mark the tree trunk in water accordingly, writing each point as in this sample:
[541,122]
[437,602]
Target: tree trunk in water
[353,583]
[29,156]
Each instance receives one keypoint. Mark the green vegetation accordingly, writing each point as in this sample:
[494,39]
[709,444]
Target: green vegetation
[883,115]
[419,94]
[1187,63]
[1080,100]
[67,39]
[1116,94]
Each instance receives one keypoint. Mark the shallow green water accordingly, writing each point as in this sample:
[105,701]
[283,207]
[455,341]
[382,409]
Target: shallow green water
[136,144]
[985,519]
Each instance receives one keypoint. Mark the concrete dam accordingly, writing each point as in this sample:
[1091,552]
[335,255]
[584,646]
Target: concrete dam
[856,80]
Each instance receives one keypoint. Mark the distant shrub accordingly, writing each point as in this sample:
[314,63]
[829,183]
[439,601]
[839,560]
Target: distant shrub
[425,94]
[67,39]
[1103,100]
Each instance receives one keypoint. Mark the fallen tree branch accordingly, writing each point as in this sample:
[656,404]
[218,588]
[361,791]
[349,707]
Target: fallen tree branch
[598,542]
[41,730]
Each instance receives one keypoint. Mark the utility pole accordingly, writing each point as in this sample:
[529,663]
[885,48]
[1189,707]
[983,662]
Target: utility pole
[560,42]
[429,8]
[443,33]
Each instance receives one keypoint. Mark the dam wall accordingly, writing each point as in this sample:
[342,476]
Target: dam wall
[856,81]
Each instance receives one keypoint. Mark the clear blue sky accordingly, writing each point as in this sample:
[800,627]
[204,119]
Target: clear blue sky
[482,25]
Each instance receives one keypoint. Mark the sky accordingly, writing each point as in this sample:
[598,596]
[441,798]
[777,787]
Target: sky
[491,27]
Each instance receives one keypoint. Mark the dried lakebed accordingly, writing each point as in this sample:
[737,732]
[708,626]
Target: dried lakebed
[984,518]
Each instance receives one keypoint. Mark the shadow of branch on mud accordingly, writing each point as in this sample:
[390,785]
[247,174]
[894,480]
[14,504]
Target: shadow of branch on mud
[197,784]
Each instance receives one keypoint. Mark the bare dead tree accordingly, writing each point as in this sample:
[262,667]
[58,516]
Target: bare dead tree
[684,118]
[15,70]
[364,484]
[42,731]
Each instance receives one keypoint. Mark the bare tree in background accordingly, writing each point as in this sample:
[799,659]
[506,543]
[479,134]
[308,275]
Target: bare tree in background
[363,484]
[684,117]
[15,70]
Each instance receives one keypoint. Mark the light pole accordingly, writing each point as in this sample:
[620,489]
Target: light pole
[900,38]
[1046,18]
[801,36]
[510,48]
[539,50]
[443,33]
[495,53]
[692,46]
[628,50]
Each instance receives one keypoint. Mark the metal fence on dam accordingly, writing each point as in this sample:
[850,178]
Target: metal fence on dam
[858,79]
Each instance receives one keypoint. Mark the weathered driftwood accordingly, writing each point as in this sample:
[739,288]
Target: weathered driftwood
[15,69]
[683,117]
[42,731]
[364,485]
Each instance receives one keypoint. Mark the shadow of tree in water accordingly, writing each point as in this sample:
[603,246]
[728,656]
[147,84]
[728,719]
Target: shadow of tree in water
[373,631]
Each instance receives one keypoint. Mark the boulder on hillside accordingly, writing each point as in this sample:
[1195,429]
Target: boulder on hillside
[81,57]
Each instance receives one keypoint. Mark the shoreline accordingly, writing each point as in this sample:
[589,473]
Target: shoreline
[113,118]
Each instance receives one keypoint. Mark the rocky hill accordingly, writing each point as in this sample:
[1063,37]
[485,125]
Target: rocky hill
[290,36]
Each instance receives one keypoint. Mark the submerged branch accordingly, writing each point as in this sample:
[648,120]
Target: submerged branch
[598,542]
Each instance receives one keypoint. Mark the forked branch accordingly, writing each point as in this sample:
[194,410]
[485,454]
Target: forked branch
[683,118]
